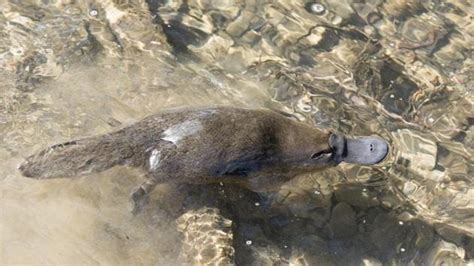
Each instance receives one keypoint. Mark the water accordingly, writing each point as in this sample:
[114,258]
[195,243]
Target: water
[398,69]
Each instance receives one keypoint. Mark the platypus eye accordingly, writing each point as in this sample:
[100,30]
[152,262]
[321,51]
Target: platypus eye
[318,154]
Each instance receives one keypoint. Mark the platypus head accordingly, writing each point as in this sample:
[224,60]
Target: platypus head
[358,150]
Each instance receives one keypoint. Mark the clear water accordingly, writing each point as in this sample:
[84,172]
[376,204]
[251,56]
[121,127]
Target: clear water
[402,70]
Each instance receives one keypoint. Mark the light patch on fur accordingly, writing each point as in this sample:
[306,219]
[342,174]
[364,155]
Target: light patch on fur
[154,160]
[176,133]
[207,112]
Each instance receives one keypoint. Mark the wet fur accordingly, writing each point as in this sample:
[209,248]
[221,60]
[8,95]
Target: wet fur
[259,149]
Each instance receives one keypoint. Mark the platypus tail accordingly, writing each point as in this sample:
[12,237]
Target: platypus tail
[78,157]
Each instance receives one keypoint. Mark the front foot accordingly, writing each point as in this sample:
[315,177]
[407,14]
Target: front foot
[139,200]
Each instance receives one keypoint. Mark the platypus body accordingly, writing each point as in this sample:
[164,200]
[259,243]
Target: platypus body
[259,149]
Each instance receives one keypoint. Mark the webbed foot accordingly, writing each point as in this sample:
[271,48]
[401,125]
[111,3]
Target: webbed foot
[139,200]
[140,197]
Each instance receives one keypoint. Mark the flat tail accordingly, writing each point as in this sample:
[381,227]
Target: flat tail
[76,158]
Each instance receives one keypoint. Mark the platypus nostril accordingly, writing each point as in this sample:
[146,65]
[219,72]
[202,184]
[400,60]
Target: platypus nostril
[372,148]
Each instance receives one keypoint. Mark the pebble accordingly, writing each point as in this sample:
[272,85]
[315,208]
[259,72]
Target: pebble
[317,8]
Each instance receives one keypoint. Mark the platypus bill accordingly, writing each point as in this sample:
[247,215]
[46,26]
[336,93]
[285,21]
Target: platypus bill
[259,149]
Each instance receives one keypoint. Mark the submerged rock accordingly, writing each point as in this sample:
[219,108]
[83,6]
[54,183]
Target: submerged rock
[343,221]
[253,247]
[357,195]
[420,152]
[311,250]
[432,188]
[444,253]
[207,237]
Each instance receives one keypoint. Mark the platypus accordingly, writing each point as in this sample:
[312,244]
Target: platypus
[256,148]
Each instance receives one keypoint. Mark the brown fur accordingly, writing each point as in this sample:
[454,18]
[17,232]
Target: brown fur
[259,149]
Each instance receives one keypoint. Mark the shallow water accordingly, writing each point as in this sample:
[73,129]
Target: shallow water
[402,70]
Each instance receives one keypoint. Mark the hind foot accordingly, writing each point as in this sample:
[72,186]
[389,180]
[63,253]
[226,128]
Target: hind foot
[140,197]
[139,200]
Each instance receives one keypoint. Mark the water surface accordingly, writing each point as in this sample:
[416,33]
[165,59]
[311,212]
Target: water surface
[398,69]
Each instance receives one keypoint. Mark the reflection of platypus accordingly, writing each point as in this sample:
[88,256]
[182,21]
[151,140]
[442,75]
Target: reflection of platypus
[259,149]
